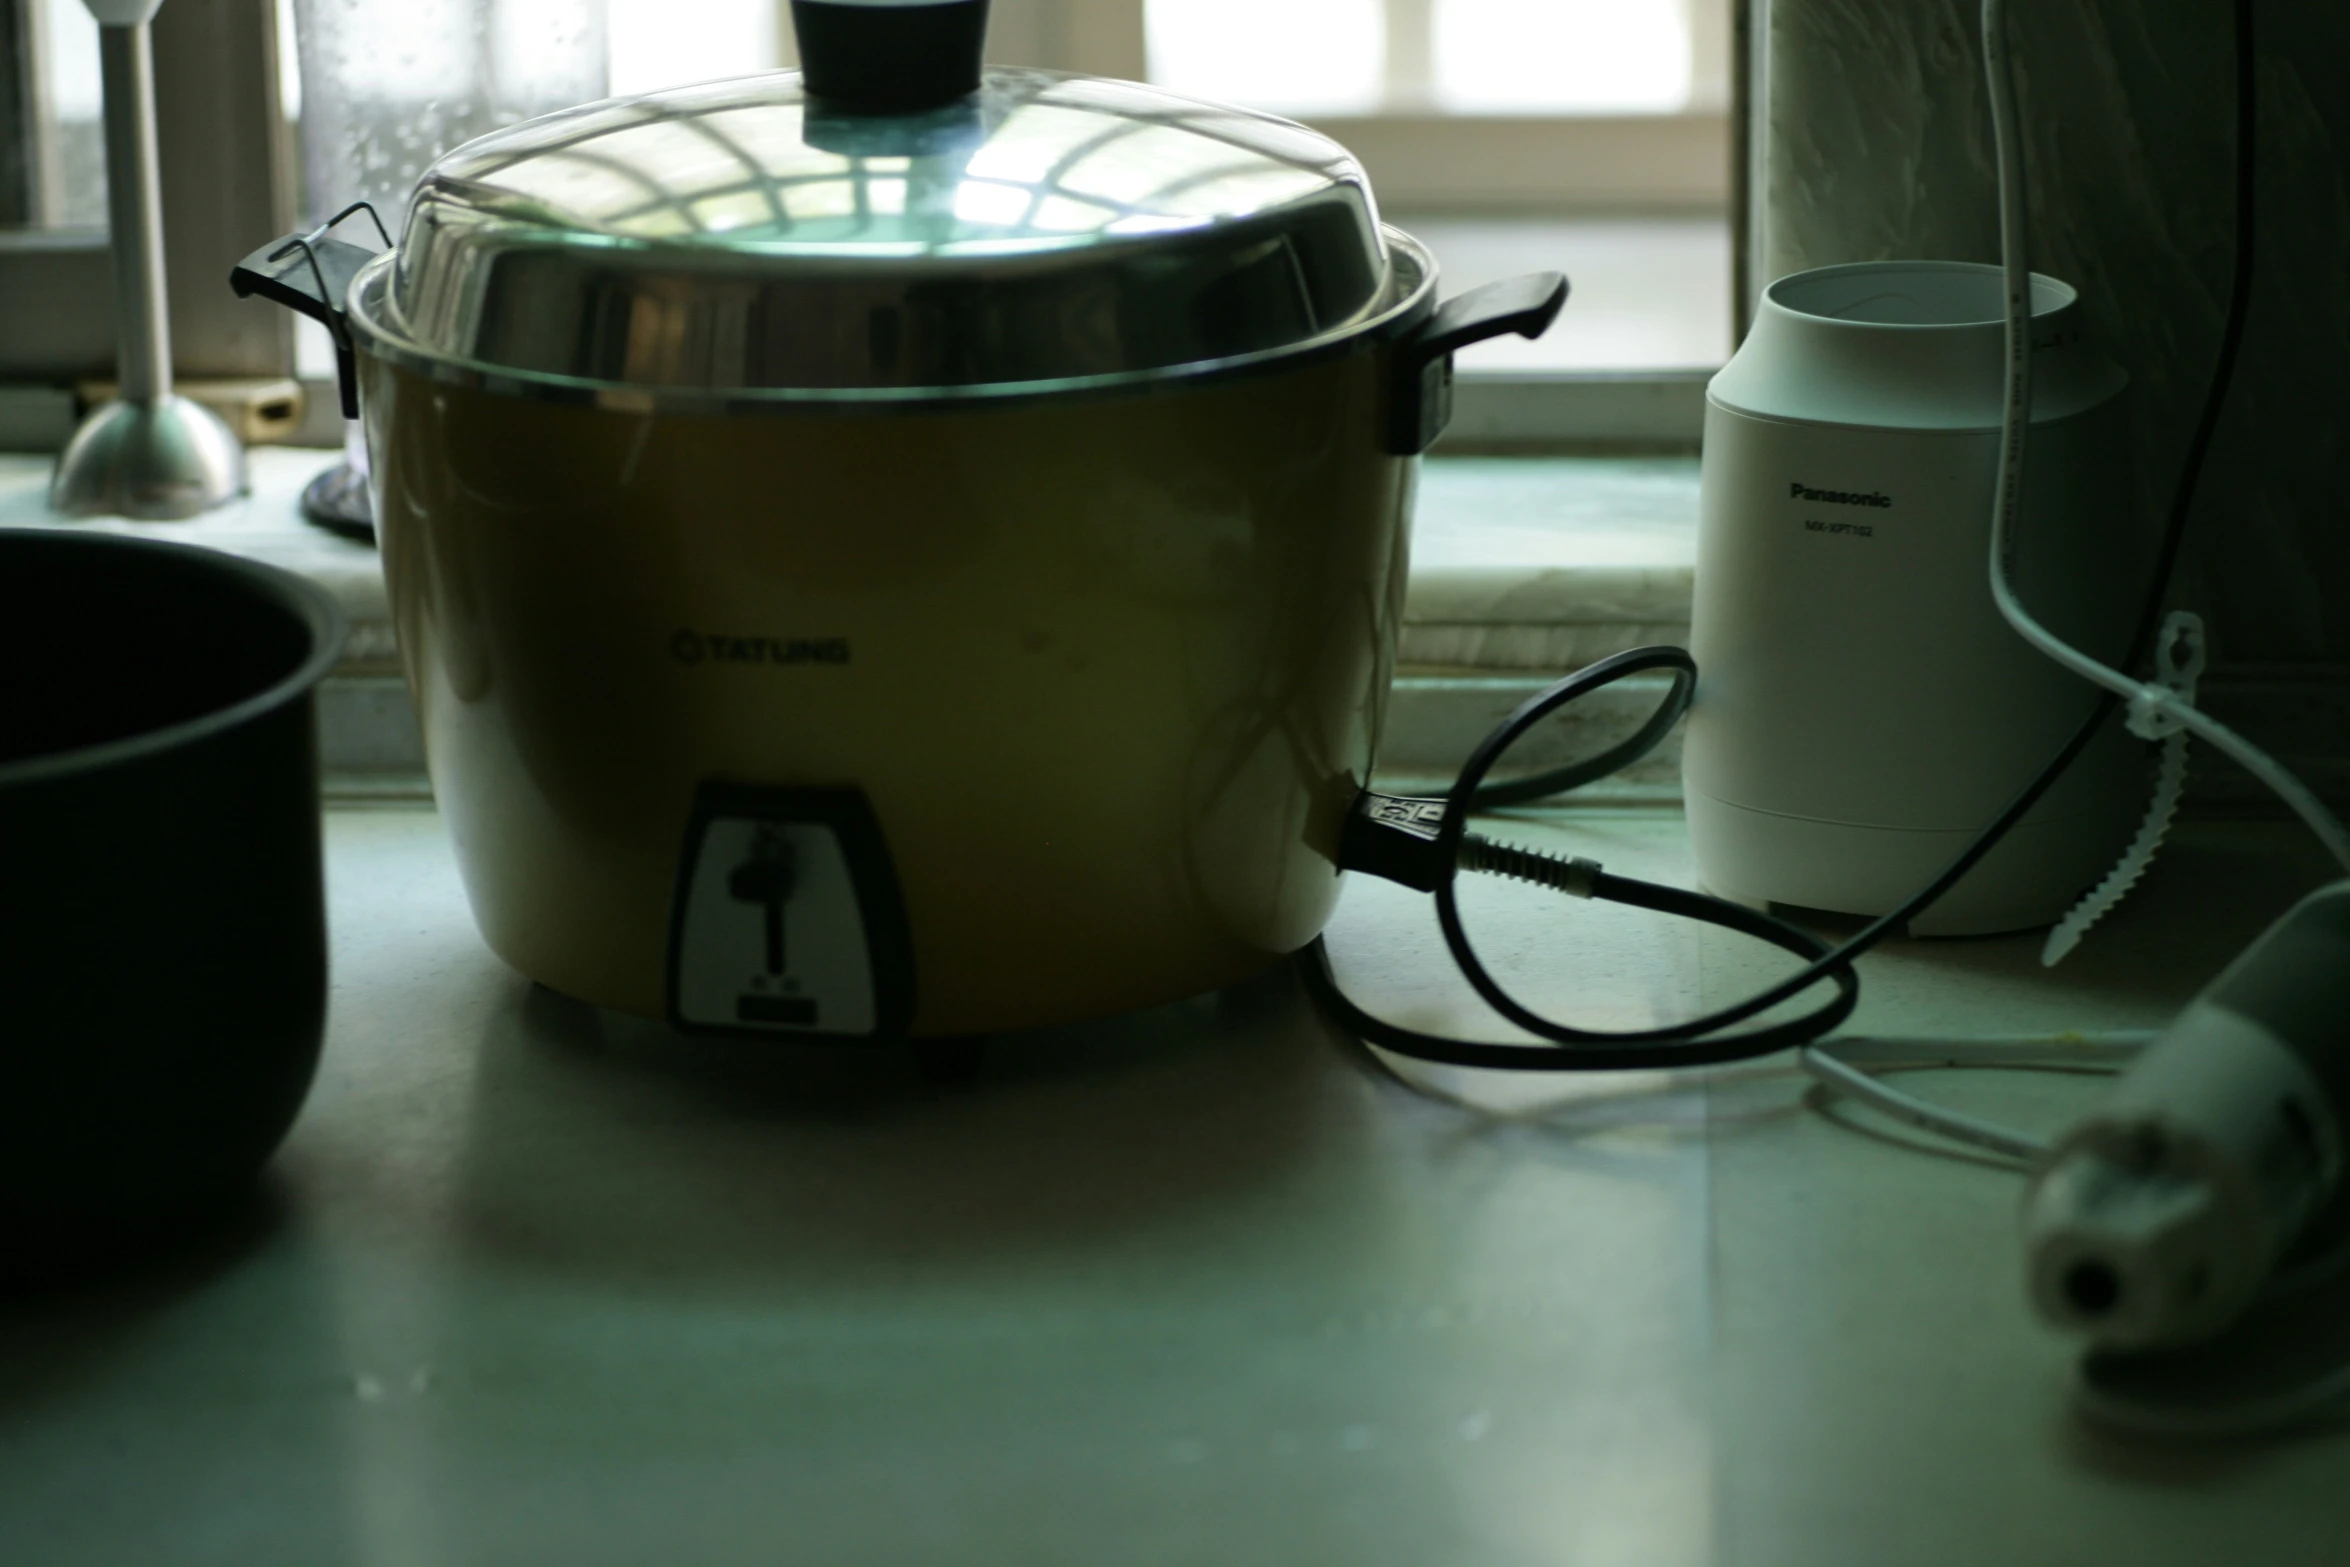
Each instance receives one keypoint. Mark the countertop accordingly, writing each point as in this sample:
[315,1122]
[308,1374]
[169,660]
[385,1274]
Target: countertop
[530,1283]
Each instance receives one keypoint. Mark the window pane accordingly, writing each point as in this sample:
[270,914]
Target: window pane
[670,43]
[1649,293]
[1290,56]
[387,88]
[72,38]
[1455,56]
[1561,56]
[71,165]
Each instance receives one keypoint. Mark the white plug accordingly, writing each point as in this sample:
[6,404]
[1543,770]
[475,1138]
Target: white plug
[2159,1217]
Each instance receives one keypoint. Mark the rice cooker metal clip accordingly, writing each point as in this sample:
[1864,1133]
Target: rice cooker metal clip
[311,275]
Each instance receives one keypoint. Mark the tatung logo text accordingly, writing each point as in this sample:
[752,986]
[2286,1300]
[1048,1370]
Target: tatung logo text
[719,647]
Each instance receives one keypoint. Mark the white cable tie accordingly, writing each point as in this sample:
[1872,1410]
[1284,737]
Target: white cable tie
[2153,713]
[2170,784]
[2158,709]
[2179,659]
[2180,653]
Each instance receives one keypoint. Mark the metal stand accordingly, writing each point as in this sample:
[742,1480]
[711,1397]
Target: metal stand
[337,501]
[150,454]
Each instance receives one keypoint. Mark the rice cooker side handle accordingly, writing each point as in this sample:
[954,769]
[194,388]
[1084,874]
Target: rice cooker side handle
[1422,404]
[311,274]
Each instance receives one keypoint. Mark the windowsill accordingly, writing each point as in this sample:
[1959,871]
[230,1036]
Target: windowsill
[1518,563]
[1648,295]
[1525,565]
[1523,568]
[265,525]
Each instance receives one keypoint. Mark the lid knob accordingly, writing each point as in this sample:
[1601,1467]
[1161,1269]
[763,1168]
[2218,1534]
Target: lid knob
[890,56]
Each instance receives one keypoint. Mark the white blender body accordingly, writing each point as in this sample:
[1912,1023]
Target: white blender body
[1862,711]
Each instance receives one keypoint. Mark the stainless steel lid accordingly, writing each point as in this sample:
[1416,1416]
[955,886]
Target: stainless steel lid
[738,238]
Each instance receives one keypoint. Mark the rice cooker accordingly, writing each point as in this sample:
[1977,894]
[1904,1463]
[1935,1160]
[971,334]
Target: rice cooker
[897,550]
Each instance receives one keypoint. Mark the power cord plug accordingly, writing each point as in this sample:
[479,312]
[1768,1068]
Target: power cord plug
[1396,837]
[1393,836]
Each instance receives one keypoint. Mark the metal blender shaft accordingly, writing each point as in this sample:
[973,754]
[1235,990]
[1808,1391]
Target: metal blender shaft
[148,454]
[134,209]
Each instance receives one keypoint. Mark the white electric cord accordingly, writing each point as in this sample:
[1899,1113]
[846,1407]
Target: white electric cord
[2155,710]
[1827,1063]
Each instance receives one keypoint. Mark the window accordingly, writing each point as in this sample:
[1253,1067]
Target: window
[726,38]
[1356,57]
[1510,135]
[1589,135]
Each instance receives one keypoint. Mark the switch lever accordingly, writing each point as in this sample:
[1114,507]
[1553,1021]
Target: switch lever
[767,878]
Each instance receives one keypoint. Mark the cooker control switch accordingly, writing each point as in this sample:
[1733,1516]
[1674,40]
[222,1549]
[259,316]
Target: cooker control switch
[766,879]
[787,918]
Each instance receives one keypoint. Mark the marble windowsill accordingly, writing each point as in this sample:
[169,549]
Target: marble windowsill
[1523,568]
[1541,565]
[1518,563]
[265,525]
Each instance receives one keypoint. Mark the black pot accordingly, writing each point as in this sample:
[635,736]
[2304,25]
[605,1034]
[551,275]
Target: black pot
[162,910]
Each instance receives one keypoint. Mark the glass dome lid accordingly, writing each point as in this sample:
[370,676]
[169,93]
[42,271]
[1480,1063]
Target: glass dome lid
[741,237]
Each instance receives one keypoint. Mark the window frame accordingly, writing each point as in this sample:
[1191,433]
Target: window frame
[1462,164]
[1419,161]
[22,112]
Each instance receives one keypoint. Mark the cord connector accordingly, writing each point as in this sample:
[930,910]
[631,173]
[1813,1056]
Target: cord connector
[1577,877]
[1393,836]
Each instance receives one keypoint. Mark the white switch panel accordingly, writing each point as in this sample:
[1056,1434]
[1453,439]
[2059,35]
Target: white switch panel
[770,934]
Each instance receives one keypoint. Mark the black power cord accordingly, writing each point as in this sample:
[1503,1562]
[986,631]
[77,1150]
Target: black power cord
[1425,844]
